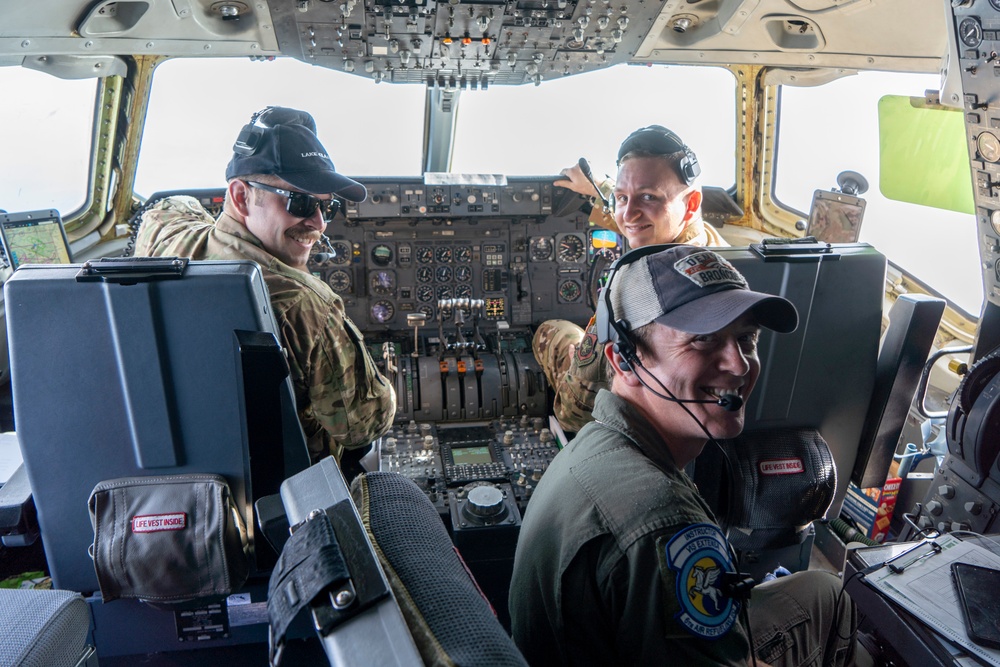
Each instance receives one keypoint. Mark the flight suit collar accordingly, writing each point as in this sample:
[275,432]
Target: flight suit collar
[616,413]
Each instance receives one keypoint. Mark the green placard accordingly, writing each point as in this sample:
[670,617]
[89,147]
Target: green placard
[923,158]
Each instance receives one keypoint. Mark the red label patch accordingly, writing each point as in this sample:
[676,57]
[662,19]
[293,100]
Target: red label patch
[154,523]
[585,350]
[781,467]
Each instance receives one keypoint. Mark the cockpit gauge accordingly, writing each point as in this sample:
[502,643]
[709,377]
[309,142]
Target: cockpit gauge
[995,222]
[541,249]
[463,253]
[443,254]
[570,248]
[443,274]
[382,254]
[343,253]
[569,291]
[425,274]
[382,311]
[996,4]
[463,291]
[495,308]
[988,146]
[463,274]
[970,32]
[444,292]
[339,281]
[383,282]
[425,293]
[426,310]
[425,255]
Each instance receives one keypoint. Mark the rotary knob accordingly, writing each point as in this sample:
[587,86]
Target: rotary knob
[486,502]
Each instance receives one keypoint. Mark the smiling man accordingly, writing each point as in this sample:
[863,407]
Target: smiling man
[620,561]
[656,200]
[280,198]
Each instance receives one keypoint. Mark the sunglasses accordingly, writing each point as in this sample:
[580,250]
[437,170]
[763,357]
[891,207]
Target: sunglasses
[301,204]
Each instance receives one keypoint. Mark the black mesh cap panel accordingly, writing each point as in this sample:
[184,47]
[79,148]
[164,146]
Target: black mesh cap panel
[409,532]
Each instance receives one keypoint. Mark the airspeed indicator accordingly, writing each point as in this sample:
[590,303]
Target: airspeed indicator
[570,248]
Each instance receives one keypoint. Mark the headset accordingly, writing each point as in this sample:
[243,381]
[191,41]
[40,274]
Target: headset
[658,140]
[615,332]
[249,139]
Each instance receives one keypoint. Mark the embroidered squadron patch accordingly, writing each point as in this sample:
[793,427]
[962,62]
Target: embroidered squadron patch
[698,556]
[585,350]
[707,269]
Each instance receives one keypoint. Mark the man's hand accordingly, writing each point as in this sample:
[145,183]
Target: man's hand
[575,180]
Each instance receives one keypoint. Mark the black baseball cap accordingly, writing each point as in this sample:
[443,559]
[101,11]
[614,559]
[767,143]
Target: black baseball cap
[654,139]
[693,290]
[292,151]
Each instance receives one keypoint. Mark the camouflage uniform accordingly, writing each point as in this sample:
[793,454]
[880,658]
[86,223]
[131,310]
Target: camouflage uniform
[343,401]
[571,357]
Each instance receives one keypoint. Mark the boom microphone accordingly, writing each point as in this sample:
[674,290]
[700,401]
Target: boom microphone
[728,402]
[585,168]
[325,256]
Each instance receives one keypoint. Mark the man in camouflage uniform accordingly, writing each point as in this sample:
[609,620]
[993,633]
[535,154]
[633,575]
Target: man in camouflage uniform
[655,201]
[278,202]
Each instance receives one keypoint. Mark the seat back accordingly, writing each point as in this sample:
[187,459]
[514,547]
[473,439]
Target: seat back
[138,370]
[822,375]
[43,628]
[448,615]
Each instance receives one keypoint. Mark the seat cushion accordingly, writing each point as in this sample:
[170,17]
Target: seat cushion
[42,628]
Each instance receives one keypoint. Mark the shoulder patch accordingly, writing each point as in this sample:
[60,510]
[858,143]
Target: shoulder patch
[585,351]
[698,556]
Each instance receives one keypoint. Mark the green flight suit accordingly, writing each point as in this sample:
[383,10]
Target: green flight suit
[619,562]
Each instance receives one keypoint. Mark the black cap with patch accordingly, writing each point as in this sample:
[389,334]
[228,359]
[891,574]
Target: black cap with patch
[288,147]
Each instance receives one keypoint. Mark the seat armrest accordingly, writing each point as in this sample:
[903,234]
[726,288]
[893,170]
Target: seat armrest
[18,525]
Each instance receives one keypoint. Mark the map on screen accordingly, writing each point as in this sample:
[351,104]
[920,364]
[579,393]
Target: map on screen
[35,237]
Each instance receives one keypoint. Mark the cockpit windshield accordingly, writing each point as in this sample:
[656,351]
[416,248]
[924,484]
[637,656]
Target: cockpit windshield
[197,107]
[45,137]
[525,130]
[824,130]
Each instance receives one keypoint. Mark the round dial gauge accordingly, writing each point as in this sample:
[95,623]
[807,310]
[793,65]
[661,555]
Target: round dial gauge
[443,274]
[463,274]
[995,222]
[463,253]
[382,254]
[382,311]
[463,291]
[988,146]
[425,293]
[970,32]
[383,282]
[541,249]
[570,290]
[425,274]
[426,310]
[570,248]
[339,281]
[444,292]
[343,251]
[443,254]
[425,255]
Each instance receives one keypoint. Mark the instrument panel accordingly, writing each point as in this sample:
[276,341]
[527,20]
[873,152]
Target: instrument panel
[490,253]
